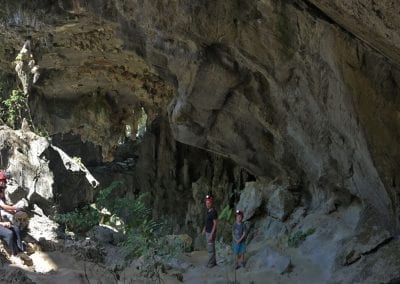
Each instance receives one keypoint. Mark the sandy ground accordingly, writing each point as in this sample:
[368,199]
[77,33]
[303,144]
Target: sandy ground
[303,272]
[60,268]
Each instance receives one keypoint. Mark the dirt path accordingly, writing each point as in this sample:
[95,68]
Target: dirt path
[303,272]
[58,267]
[199,273]
[225,273]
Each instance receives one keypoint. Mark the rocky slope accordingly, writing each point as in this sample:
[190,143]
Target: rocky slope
[288,107]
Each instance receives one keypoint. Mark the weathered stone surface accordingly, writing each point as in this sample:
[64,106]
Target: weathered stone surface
[296,217]
[316,133]
[363,243]
[14,276]
[267,228]
[282,88]
[281,204]
[14,192]
[281,78]
[38,173]
[103,234]
[69,269]
[251,199]
[373,22]
[381,266]
[269,259]
[42,227]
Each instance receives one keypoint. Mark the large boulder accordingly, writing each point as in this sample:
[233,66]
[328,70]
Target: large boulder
[42,173]
[281,204]
[381,266]
[270,260]
[363,243]
[269,228]
[14,276]
[251,199]
[104,234]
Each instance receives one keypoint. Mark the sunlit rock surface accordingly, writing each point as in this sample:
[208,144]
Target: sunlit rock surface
[235,91]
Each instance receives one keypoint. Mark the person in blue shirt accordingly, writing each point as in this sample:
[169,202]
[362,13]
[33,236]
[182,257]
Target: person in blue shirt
[239,237]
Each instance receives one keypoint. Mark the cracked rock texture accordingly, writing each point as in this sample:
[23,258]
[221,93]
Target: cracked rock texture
[299,92]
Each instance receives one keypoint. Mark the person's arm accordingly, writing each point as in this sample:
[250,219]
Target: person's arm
[243,235]
[9,208]
[5,224]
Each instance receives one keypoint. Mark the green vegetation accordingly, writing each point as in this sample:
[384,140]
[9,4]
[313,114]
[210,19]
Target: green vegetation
[14,108]
[226,218]
[15,104]
[130,216]
[226,214]
[297,238]
[41,131]
[79,221]
[144,236]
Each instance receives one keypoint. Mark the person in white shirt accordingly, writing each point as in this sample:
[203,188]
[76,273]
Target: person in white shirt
[11,234]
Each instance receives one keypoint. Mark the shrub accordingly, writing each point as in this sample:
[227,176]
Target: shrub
[80,220]
[226,214]
[129,215]
[15,105]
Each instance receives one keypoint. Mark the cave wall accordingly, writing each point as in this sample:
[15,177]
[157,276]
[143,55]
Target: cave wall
[282,88]
[279,100]
[175,178]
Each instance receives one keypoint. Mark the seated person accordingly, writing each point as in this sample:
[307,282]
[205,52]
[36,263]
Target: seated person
[8,235]
[7,225]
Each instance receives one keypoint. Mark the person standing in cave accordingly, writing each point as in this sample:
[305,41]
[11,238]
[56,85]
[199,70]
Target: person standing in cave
[210,229]
[239,237]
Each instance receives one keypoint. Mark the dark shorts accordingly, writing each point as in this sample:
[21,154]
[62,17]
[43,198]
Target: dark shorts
[239,248]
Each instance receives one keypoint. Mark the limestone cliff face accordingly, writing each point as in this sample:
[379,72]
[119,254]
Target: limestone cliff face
[304,91]
[92,85]
[282,88]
